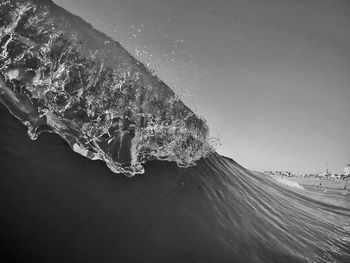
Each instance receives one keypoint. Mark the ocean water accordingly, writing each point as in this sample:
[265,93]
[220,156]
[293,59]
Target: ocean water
[76,117]
[58,206]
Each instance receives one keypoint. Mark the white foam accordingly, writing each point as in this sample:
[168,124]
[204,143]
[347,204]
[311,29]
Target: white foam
[288,182]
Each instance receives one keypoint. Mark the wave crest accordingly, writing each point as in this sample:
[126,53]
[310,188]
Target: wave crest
[84,86]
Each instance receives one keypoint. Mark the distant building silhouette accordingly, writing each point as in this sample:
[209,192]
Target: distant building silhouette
[347,170]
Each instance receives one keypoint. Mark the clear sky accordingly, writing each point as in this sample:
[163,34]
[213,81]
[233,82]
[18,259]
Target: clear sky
[272,77]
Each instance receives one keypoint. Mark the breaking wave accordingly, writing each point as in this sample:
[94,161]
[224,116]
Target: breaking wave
[60,75]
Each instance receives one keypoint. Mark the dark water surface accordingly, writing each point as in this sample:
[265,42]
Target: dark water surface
[58,206]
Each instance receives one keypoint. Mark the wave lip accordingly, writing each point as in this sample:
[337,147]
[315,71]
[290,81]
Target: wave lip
[59,74]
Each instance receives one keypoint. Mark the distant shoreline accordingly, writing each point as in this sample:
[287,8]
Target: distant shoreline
[334,187]
[336,184]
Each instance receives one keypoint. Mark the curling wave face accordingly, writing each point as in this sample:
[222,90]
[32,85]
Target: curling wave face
[59,207]
[60,75]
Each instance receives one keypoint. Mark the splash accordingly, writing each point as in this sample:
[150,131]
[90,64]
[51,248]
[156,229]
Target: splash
[61,75]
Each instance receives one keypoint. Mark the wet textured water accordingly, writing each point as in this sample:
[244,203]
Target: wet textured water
[58,73]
